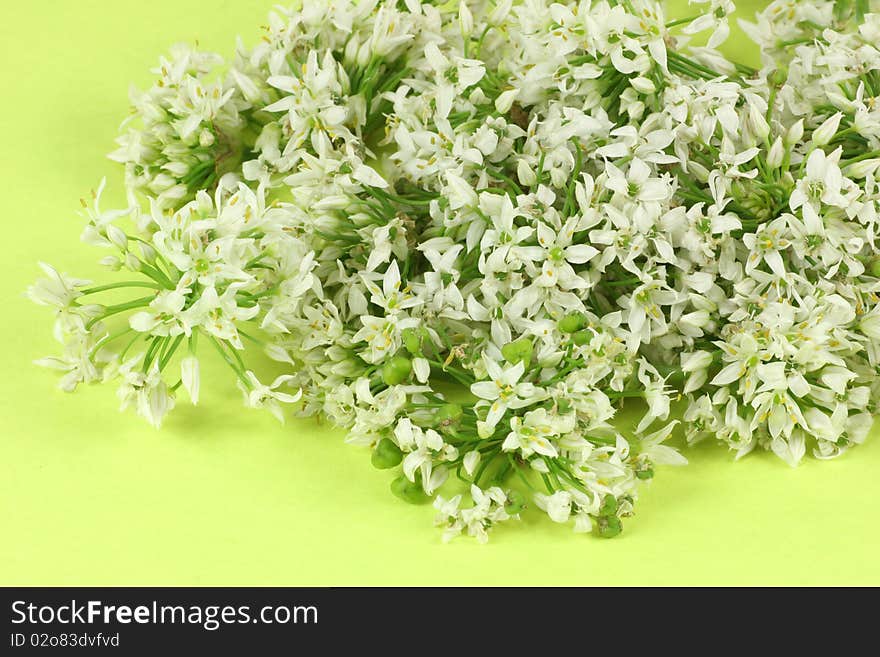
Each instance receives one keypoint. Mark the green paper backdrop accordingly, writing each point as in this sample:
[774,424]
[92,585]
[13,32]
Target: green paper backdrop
[226,496]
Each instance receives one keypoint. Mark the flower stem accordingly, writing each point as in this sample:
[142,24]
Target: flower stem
[109,311]
[114,286]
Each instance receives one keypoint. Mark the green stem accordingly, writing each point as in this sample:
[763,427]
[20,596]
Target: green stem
[863,156]
[519,473]
[251,338]
[681,21]
[169,352]
[109,338]
[157,275]
[136,337]
[152,351]
[628,281]
[694,65]
[109,311]
[238,372]
[625,394]
[114,286]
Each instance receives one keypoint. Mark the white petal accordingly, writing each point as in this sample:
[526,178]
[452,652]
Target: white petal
[471,461]
[728,375]
[189,376]
[368,176]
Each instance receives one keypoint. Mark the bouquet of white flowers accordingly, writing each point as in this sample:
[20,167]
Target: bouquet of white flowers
[468,233]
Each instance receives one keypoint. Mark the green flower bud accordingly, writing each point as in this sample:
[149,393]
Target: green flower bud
[609,506]
[581,338]
[572,322]
[408,491]
[412,341]
[516,502]
[518,351]
[396,370]
[875,268]
[609,526]
[448,414]
[386,455]
[778,78]
[647,473]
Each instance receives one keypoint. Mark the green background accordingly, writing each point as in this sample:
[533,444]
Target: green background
[226,496]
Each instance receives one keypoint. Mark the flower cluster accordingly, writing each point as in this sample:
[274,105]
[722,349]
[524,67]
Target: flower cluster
[470,235]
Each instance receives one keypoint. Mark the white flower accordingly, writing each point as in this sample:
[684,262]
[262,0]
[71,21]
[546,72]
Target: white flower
[557,254]
[822,182]
[650,447]
[503,391]
[79,361]
[57,290]
[557,505]
[487,511]
[391,297]
[382,334]
[536,433]
[637,184]
[767,245]
[655,396]
[100,229]
[145,390]
[259,395]
[428,449]
[218,315]
[165,316]
[564,209]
